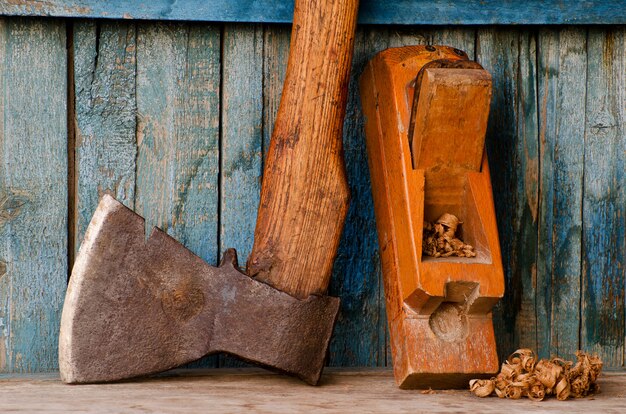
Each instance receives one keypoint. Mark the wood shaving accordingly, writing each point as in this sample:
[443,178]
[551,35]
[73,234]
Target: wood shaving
[523,376]
[439,238]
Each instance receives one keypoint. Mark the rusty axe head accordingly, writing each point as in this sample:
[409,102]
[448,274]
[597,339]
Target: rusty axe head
[138,306]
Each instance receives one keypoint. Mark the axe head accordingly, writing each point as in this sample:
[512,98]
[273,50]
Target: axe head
[137,306]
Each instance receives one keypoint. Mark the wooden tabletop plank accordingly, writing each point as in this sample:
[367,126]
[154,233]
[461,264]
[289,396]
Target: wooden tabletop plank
[253,390]
[372,11]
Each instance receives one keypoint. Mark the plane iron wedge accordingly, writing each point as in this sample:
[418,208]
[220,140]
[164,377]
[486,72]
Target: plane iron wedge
[138,306]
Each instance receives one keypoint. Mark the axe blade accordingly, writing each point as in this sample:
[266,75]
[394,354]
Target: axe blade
[136,307]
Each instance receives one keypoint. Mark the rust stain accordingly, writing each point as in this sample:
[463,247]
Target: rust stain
[607,51]
[182,302]
[3,268]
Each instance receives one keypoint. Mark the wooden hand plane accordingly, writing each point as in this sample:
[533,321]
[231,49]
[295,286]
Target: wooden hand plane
[426,110]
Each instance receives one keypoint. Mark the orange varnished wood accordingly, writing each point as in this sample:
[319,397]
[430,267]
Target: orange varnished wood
[451,174]
[304,198]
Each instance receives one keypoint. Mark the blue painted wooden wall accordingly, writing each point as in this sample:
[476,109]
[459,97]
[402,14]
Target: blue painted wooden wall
[174,118]
[410,12]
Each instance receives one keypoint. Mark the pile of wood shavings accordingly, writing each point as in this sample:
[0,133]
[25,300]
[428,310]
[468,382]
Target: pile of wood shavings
[523,376]
[439,239]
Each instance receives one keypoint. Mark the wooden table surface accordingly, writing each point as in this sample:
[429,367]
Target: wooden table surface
[255,390]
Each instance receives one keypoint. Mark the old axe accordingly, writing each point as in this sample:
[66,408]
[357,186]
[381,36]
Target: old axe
[137,306]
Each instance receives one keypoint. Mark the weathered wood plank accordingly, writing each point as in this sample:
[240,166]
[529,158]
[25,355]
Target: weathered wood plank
[604,197]
[523,259]
[241,150]
[425,12]
[360,334]
[276,53]
[462,38]
[178,132]
[242,136]
[105,116]
[178,110]
[493,52]
[259,391]
[512,146]
[562,67]
[407,36]
[33,192]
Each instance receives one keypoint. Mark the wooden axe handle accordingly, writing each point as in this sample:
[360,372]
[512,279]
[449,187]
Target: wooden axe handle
[305,195]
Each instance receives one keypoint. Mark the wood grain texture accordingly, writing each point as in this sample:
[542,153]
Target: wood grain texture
[304,197]
[426,12]
[604,197]
[562,64]
[33,192]
[512,145]
[530,175]
[178,133]
[105,117]
[360,334]
[242,136]
[462,38]
[260,391]
[430,349]
[275,56]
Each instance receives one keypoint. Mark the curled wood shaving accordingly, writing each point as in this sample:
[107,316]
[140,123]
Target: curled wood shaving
[522,375]
[439,238]
[481,387]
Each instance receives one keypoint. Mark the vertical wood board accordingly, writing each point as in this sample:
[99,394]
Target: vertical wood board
[494,47]
[105,117]
[242,136]
[33,192]
[604,199]
[360,334]
[562,83]
[178,132]
[462,38]
[275,56]
[512,148]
